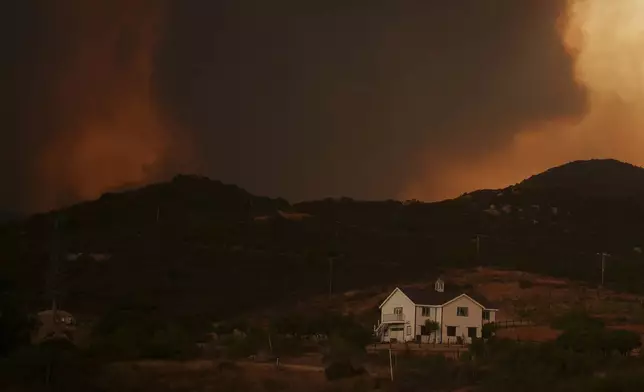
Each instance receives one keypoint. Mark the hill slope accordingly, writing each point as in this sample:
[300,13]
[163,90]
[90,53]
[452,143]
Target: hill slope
[596,177]
[196,246]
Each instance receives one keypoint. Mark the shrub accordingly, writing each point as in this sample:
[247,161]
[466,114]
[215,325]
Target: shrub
[488,330]
[621,341]
[431,326]
[342,369]
[577,320]
[55,362]
[130,333]
[170,341]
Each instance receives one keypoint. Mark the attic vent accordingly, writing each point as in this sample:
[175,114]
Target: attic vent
[439,285]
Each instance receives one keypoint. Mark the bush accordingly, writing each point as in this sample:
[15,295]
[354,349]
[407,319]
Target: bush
[584,340]
[342,369]
[170,341]
[621,341]
[131,332]
[488,330]
[237,347]
[343,350]
[53,365]
[577,320]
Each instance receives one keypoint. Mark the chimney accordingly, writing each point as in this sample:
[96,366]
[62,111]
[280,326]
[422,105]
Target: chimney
[439,285]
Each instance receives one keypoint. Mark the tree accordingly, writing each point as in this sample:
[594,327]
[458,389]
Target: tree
[577,320]
[488,330]
[621,341]
[431,327]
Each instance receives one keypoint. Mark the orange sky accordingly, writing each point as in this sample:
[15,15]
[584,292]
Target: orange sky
[607,38]
[112,133]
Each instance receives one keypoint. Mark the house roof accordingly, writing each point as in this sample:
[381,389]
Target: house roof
[428,296]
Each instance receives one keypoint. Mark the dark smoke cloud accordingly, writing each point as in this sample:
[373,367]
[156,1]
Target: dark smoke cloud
[309,99]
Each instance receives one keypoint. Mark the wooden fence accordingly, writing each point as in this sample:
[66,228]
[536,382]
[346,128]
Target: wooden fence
[512,323]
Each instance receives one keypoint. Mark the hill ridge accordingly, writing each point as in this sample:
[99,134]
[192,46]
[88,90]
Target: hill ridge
[185,245]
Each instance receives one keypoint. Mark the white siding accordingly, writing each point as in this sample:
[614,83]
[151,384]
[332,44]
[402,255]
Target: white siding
[474,318]
[434,315]
[398,299]
[492,316]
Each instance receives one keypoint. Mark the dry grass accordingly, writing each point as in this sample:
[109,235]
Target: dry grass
[540,301]
[536,333]
[208,376]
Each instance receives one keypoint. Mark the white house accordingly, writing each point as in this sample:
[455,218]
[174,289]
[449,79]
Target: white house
[403,315]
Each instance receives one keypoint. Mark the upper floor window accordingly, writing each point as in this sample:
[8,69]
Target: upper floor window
[486,315]
[425,311]
[398,310]
[462,311]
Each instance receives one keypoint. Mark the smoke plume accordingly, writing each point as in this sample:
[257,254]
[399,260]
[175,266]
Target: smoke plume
[424,99]
[89,112]
[604,38]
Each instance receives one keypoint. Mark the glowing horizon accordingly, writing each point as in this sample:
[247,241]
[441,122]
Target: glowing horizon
[602,36]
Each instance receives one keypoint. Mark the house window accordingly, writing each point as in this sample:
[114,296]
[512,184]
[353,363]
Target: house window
[408,330]
[462,311]
[471,332]
[451,331]
[486,315]
[398,310]
[425,310]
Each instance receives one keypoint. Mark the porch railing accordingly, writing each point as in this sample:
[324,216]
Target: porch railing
[393,317]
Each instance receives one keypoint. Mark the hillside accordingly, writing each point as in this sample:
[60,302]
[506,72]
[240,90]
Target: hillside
[195,246]
[596,178]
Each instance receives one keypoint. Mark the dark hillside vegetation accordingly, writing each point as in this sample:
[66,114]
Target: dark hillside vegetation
[193,246]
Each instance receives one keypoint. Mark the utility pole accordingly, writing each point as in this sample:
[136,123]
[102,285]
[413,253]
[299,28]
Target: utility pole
[53,282]
[330,275]
[335,244]
[478,244]
[54,270]
[603,255]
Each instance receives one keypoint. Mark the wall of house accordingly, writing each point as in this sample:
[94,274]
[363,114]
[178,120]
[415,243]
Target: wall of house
[398,299]
[492,316]
[473,319]
[434,315]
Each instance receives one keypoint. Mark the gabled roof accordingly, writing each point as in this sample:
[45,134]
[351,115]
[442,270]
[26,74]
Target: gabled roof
[478,299]
[430,297]
[392,293]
